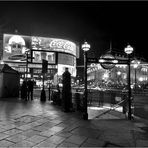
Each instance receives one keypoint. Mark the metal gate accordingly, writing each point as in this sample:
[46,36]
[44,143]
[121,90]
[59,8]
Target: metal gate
[113,103]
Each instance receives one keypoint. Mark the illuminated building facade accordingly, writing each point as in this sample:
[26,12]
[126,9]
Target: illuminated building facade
[60,53]
[117,77]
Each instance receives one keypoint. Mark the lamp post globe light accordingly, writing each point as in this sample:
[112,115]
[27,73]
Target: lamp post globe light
[85,48]
[128,50]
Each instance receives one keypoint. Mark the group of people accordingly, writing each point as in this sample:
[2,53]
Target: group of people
[27,90]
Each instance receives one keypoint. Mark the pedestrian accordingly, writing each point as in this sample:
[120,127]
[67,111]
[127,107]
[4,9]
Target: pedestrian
[24,91]
[30,85]
[66,91]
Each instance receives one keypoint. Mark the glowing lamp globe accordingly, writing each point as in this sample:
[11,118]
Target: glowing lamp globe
[85,46]
[129,49]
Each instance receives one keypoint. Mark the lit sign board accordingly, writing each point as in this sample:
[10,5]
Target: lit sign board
[38,56]
[66,59]
[31,65]
[105,65]
[53,44]
[14,47]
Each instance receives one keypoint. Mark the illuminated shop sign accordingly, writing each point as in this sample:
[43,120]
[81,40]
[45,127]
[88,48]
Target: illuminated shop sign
[14,47]
[38,56]
[52,44]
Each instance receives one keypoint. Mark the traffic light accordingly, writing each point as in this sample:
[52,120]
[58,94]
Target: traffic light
[44,66]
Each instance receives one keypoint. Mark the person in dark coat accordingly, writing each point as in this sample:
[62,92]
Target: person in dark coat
[24,90]
[30,84]
[66,91]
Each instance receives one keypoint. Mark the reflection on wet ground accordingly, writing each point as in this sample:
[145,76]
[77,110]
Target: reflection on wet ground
[16,107]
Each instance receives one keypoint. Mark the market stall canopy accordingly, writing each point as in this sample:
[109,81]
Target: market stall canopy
[6,68]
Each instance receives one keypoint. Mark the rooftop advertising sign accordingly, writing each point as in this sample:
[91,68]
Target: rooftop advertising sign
[53,44]
[15,46]
[40,55]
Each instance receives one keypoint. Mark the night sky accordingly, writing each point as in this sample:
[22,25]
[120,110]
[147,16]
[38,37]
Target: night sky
[97,22]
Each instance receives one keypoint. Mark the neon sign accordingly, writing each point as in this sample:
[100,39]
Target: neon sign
[53,44]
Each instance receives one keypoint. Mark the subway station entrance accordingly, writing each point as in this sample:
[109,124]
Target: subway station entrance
[101,100]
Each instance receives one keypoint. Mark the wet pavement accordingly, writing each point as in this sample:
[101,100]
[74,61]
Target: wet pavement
[35,124]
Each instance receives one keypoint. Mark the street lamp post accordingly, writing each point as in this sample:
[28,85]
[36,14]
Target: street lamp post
[128,50]
[85,48]
[136,64]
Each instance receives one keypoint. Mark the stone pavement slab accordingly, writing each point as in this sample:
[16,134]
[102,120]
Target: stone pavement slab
[34,124]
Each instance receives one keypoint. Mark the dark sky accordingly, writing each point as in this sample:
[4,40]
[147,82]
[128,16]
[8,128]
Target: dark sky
[97,22]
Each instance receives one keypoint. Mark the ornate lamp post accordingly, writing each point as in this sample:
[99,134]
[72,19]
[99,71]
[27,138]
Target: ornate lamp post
[128,50]
[85,48]
[136,64]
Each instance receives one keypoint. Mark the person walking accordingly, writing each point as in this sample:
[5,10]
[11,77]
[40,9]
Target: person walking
[24,91]
[30,84]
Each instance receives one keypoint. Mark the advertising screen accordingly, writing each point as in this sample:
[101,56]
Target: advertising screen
[66,59]
[15,46]
[40,55]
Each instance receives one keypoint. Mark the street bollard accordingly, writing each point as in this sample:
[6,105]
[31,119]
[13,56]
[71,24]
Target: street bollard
[43,96]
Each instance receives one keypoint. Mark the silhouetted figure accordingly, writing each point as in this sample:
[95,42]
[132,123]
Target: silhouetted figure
[49,92]
[58,95]
[101,98]
[66,91]
[30,84]
[24,90]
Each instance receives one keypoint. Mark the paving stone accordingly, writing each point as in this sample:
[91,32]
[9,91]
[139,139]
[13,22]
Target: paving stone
[30,133]
[64,134]
[78,140]
[8,126]
[35,123]
[56,121]
[49,124]
[24,127]
[16,138]
[5,143]
[67,144]
[89,145]
[40,128]
[55,139]
[13,131]
[45,144]
[43,120]
[36,139]
[47,133]
[96,142]
[3,136]
[87,132]
[126,142]
[63,125]
[24,143]
[19,123]
[57,128]
[2,130]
